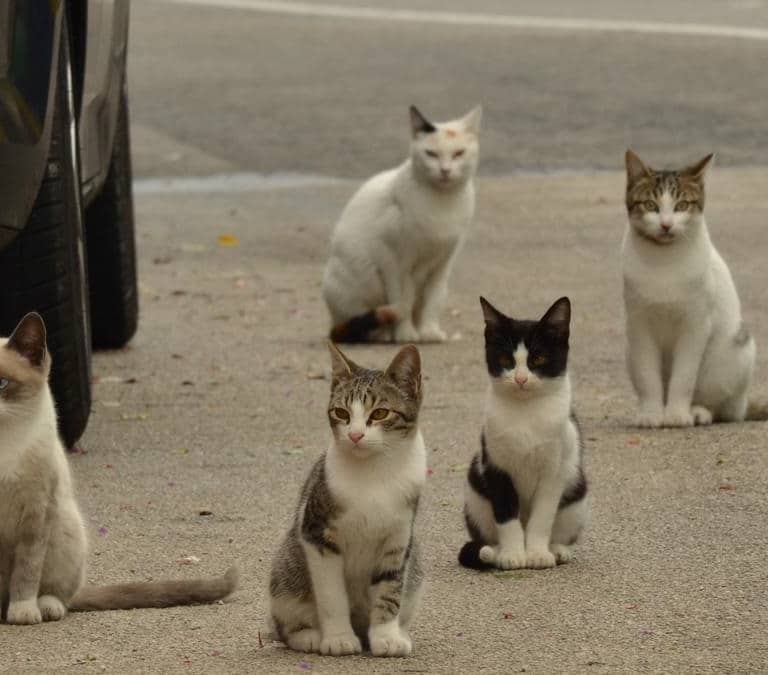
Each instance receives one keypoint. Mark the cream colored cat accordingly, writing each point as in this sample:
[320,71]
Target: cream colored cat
[43,544]
[395,243]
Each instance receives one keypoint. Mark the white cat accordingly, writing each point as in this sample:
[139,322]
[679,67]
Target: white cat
[43,543]
[690,356]
[394,245]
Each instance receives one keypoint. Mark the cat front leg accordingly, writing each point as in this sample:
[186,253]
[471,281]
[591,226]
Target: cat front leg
[538,531]
[326,569]
[433,295]
[28,560]
[400,292]
[686,362]
[386,636]
[644,362]
[509,553]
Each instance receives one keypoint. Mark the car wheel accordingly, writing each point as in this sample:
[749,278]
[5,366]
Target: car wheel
[111,247]
[44,268]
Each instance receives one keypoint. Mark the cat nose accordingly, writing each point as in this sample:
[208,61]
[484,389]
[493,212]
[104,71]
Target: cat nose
[355,436]
[666,226]
[445,172]
[521,379]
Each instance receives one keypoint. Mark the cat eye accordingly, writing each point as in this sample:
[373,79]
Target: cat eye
[3,383]
[458,153]
[341,414]
[650,206]
[379,414]
[431,153]
[539,360]
[682,205]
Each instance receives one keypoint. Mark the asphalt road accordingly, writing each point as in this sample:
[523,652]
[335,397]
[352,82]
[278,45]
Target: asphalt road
[219,403]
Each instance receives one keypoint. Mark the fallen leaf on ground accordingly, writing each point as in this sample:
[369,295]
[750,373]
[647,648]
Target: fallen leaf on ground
[134,417]
[188,560]
[103,531]
[633,606]
[633,441]
[293,451]
[205,512]
[228,240]
[727,486]
[459,468]
[304,665]
[315,375]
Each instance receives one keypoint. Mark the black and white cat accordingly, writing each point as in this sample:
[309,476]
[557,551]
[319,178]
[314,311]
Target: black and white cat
[526,489]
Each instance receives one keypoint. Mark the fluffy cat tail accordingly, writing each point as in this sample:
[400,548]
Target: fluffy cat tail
[757,410]
[469,556]
[359,328]
[155,593]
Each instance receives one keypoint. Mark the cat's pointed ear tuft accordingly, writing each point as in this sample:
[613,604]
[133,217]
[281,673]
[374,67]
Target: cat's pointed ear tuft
[557,319]
[636,168]
[405,370]
[419,123]
[493,317]
[698,170]
[342,367]
[28,339]
[472,119]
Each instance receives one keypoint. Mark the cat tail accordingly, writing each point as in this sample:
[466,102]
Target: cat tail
[469,556]
[359,328]
[757,410]
[155,593]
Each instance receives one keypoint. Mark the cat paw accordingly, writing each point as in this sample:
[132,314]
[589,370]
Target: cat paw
[678,417]
[51,608]
[24,612]
[649,419]
[503,560]
[389,642]
[539,560]
[306,640]
[432,333]
[405,331]
[701,416]
[563,554]
[340,644]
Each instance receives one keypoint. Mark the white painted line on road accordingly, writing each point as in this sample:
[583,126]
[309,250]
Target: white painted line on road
[491,20]
[232,182]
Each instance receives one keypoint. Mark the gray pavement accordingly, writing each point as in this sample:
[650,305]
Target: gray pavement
[227,413]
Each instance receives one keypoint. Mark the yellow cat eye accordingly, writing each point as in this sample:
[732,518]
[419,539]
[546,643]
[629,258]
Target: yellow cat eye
[431,153]
[682,205]
[458,153]
[379,414]
[539,360]
[650,205]
[341,414]
[3,383]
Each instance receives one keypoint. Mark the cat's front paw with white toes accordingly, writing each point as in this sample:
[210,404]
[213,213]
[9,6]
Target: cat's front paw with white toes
[678,417]
[405,331]
[389,641]
[563,554]
[340,644]
[51,608]
[306,640]
[649,419]
[503,559]
[24,612]
[539,560]
[701,416]
[432,332]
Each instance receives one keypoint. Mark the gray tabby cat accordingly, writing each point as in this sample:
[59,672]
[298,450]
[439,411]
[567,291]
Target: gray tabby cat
[43,546]
[347,573]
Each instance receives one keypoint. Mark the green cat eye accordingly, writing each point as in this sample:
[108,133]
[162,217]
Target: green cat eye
[682,205]
[650,205]
[341,414]
[379,414]
[3,383]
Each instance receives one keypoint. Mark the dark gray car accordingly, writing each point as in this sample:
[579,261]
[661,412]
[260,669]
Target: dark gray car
[67,246]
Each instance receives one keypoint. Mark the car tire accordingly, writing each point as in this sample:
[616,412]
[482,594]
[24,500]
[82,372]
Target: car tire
[43,270]
[111,246]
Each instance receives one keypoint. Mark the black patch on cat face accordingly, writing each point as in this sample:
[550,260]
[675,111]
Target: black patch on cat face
[546,339]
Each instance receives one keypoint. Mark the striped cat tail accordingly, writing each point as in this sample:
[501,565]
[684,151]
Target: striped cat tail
[359,328]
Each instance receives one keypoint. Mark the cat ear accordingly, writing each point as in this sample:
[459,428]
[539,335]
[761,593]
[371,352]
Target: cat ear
[28,339]
[557,318]
[342,367]
[472,119]
[405,370]
[699,169]
[493,317]
[636,168]
[419,123]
